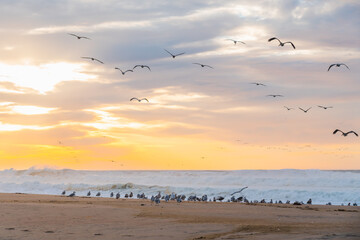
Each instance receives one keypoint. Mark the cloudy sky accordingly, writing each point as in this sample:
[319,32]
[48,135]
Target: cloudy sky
[60,110]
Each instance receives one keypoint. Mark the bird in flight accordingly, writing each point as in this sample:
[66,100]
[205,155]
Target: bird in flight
[274,95]
[139,100]
[142,66]
[324,107]
[203,65]
[338,65]
[123,73]
[93,59]
[239,191]
[288,108]
[258,84]
[345,134]
[79,37]
[235,41]
[305,111]
[174,55]
[281,43]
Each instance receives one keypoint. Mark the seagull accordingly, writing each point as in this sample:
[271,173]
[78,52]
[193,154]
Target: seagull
[288,108]
[324,107]
[79,37]
[345,134]
[239,191]
[338,65]
[142,66]
[63,193]
[275,95]
[203,65]
[98,194]
[235,41]
[258,84]
[88,194]
[281,43]
[123,73]
[305,111]
[72,194]
[94,59]
[111,194]
[175,54]
[139,100]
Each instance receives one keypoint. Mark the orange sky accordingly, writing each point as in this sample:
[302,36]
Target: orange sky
[60,110]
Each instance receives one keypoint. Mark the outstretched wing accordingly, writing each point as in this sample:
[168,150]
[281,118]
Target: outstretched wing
[198,63]
[136,66]
[98,61]
[291,44]
[337,130]
[345,65]
[169,52]
[144,99]
[308,109]
[179,54]
[353,133]
[273,38]
[147,67]
[331,66]
[208,66]
[239,191]
[73,34]
[129,70]
[134,98]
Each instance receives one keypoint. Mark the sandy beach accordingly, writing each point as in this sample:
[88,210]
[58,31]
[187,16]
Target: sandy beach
[27,216]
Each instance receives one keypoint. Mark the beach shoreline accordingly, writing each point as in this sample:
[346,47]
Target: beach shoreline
[32,216]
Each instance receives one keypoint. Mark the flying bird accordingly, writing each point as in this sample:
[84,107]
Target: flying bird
[79,37]
[203,65]
[345,134]
[288,108]
[142,66]
[123,73]
[281,43]
[139,100]
[274,95]
[93,59]
[338,65]
[239,191]
[235,41]
[174,55]
[258,84]
[305,111]
[324,107]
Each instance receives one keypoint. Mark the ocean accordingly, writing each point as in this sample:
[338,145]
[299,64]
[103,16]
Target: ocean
[322,186]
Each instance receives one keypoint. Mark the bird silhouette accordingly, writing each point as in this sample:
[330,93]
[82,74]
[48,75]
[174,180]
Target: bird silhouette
[281,43]
[203,65]
[324,107]
[337,65]
[288,108]
[142,66]
[235,41]
[258,84]
[174,55]
[345,134]
[139,100]
[63,193]
[274,95]
[79,37]
[123,73]
[88,194]
[93,59]
[239,191]
[305,111]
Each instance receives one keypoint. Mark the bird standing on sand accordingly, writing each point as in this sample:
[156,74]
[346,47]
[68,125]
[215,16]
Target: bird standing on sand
[72,194]
[203,65]
[93,59]
[79,37]
[139,100]
[281,43]
[123,73]
[98,194]
[117,196]
[345,134]
[111,194]
[174,55]
[338,65]
[88,194]
[235,41]
[63,193]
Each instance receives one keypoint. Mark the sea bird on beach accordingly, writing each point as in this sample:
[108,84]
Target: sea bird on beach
[203,65]
[288,108]
[258,84]
[93,59]
[123,73]
[281,43]
[239,191]
[72,194]
[79,37]
[345,134]
[274,95]
[98,194]
[338,65]
[111,194]
[305,111]
[63,193]
[142,66]
[88,194]
[139,100]
[117,196]
[235,41]
[174,55]
[324,107]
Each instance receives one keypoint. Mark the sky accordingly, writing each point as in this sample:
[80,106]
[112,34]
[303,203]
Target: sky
[59,110]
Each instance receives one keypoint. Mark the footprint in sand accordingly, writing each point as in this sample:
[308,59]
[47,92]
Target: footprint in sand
[49,231]
[10,228]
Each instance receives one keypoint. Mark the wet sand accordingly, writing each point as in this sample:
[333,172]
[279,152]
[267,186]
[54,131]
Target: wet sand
[28,216]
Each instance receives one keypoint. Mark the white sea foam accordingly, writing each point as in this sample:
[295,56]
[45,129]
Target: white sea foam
[322,187]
